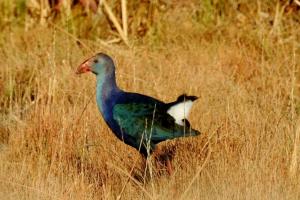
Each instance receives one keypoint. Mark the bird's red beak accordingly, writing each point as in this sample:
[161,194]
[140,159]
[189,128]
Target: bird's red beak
[83,68]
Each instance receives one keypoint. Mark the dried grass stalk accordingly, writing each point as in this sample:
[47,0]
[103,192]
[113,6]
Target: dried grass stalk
[114,20]
[294,163]
[124,17]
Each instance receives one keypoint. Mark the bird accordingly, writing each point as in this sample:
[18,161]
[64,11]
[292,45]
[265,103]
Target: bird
[138,120]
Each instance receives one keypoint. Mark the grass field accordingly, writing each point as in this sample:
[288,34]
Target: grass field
[241,58]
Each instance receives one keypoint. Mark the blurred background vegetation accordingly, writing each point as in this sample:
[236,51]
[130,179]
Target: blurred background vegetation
[150,19]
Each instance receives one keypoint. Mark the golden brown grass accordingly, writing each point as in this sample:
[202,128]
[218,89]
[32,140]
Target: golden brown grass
[55,145]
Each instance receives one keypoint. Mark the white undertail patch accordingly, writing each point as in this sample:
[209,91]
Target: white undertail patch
[180,111]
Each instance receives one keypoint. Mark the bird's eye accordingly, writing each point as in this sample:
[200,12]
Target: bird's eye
[95,61]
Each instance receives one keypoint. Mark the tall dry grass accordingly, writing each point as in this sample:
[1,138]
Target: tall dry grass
[241,59]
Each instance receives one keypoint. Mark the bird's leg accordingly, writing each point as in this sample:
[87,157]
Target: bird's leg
[169,166]
[164,159]
[167,163]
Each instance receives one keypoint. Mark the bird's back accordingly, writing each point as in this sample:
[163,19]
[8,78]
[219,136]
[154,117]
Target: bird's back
[141,121]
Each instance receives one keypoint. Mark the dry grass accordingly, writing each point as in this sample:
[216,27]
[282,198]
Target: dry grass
[243,64]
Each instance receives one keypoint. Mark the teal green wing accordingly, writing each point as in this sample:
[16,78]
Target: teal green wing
[148,123]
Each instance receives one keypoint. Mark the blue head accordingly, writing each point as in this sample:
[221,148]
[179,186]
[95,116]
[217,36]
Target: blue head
[103,67]
[100,64]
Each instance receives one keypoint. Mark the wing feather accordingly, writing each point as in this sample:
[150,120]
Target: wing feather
[147,122]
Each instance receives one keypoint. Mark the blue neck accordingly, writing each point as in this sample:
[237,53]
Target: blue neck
[106,92]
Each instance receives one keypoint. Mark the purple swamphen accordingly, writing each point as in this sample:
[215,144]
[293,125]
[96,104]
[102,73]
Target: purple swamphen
[138,120]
